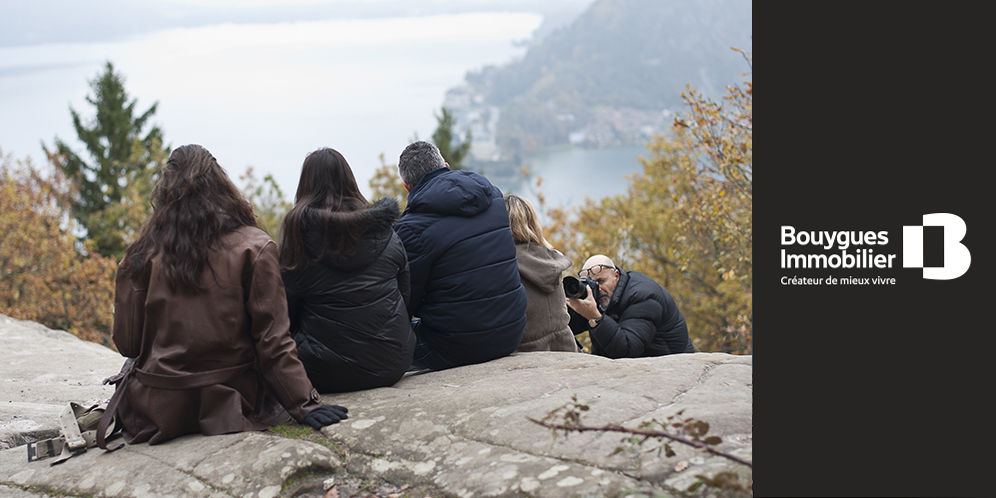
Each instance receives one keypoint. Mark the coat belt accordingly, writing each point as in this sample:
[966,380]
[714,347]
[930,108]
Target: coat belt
[191,380]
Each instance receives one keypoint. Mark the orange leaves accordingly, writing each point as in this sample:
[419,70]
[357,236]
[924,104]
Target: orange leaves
[686,221]
[386,182]
[267,200]
[46,273]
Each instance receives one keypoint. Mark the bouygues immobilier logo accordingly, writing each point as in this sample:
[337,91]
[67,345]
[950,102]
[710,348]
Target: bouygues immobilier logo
[935,247]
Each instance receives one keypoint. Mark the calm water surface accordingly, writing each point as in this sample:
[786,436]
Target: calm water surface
[570,175]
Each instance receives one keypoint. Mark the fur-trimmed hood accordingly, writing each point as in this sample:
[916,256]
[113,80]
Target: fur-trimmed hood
[375,223]
[348,315]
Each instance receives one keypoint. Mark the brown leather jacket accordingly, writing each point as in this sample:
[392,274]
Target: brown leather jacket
[216,361]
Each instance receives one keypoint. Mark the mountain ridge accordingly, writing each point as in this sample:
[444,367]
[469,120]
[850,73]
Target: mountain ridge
[614,76]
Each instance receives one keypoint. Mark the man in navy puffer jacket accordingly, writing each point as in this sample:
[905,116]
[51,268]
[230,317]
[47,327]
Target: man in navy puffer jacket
[466,296]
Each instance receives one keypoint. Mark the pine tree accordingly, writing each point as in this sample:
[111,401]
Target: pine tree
[111,189]
[453,151]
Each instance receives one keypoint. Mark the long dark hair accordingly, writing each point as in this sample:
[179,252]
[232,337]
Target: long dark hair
[194,204]
[326,192]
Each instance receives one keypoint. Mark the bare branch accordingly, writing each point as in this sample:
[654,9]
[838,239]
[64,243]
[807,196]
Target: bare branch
[643,432]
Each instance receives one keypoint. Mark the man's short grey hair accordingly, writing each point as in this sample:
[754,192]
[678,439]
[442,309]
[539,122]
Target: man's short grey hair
[418,159]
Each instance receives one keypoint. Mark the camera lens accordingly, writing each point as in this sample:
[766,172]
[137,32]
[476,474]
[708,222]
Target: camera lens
[589,283]
[573,288]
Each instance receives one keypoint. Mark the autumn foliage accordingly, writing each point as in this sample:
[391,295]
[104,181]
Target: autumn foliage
[387,183]
[686,221]
[267,200]
[47,274]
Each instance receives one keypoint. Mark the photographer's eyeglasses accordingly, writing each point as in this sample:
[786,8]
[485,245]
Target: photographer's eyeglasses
[594,270]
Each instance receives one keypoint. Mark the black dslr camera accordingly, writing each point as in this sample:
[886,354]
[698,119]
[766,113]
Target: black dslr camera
[578,287]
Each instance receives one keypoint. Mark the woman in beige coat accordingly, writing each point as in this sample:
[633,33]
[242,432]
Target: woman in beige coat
[541,270]
[200,311]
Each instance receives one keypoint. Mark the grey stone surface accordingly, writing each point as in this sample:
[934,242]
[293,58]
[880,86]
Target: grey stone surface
[457,433]
[249,465]
[467,430]
[41,370]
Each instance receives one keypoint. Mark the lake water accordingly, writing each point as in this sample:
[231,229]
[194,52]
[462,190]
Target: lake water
[572,174]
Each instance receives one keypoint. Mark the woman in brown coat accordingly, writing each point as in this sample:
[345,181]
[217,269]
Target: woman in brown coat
[200,311]
[541,270]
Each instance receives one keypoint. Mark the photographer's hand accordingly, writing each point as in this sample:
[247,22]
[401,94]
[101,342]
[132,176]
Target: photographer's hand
[585,307]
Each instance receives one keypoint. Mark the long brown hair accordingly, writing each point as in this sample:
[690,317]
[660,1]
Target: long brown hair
[326,192]
[194,204]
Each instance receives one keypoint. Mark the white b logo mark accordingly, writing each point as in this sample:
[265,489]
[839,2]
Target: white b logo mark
[957,259]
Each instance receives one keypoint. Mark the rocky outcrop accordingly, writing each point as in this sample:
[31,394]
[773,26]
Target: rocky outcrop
[41,371]
[461,432]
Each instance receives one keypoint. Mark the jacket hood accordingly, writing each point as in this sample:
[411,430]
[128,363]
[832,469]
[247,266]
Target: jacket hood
[375,224]
[541,266]
[452,193]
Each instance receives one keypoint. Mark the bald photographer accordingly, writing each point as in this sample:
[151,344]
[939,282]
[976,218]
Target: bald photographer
[626,313]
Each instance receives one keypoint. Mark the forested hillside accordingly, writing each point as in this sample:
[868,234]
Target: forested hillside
[614,76]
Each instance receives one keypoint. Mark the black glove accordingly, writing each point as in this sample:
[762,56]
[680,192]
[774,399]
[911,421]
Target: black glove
[325,415]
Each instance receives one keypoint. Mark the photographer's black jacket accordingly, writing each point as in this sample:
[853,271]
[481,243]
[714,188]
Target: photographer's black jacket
[348,316]
[464,276]
[642,319]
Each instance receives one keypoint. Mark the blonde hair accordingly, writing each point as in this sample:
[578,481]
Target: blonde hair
[524,222]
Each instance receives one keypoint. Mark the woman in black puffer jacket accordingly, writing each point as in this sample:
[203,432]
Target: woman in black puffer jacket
[346,277]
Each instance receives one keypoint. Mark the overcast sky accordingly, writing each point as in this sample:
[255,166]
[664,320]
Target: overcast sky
[259,83]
